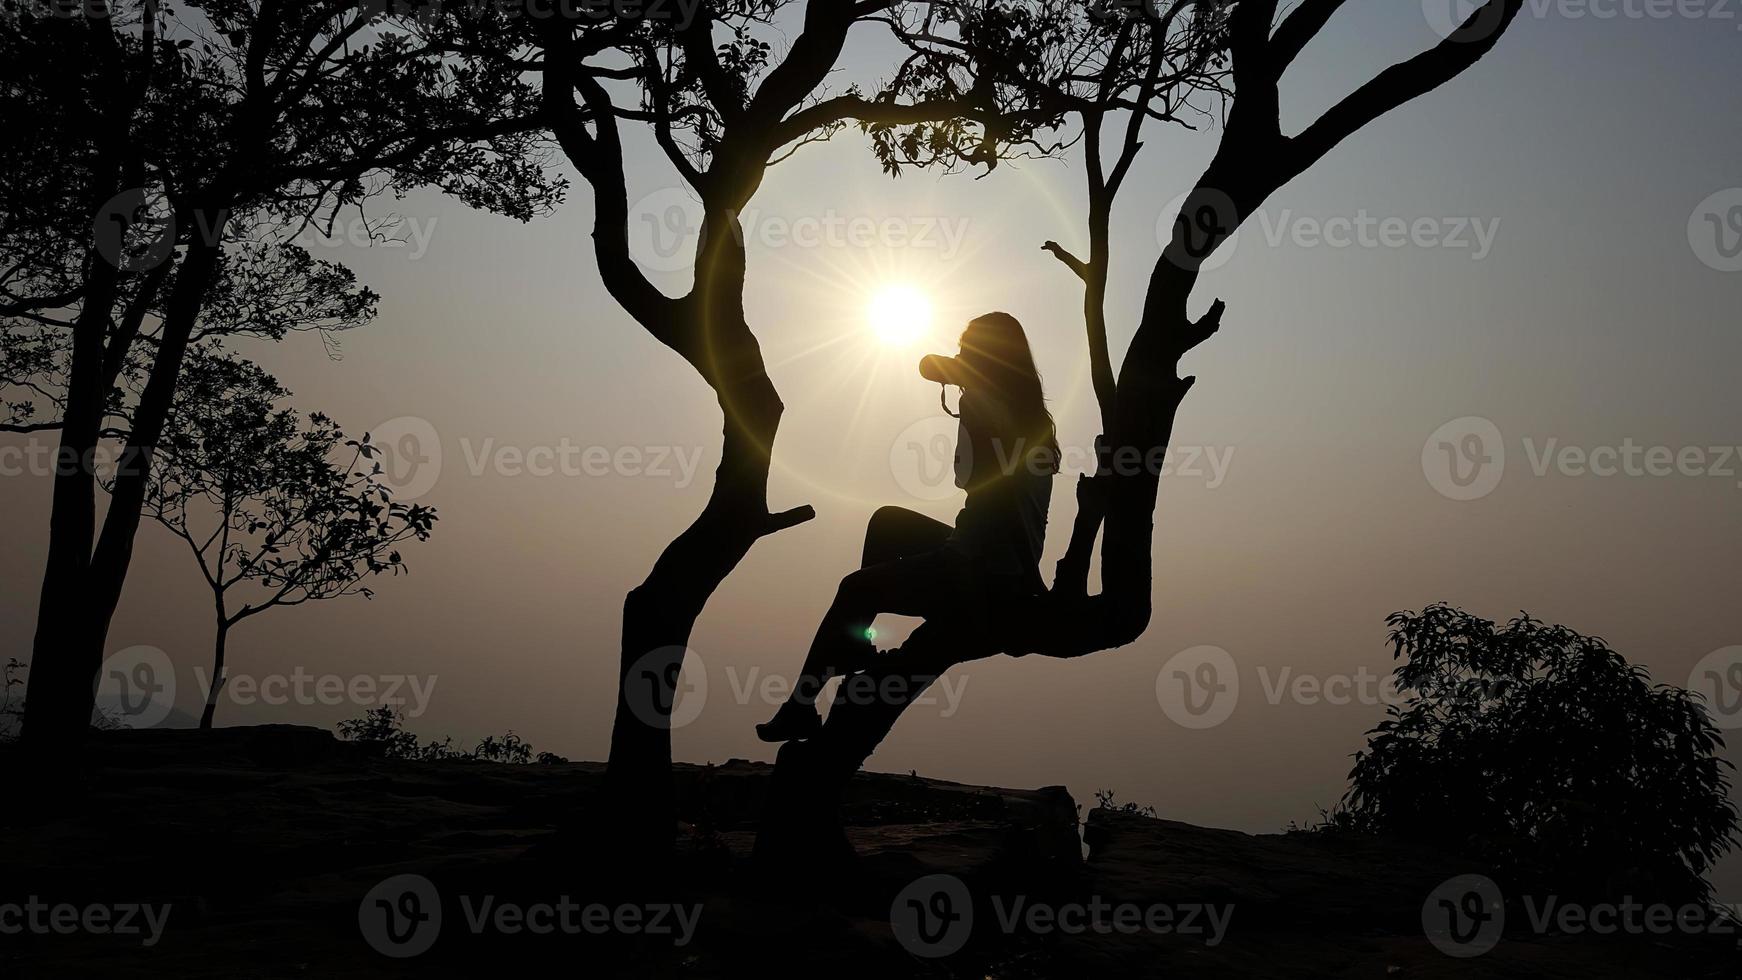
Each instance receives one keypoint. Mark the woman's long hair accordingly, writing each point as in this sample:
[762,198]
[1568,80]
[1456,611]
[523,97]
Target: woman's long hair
[995,348]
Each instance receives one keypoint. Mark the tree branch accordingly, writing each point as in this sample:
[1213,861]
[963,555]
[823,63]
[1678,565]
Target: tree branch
[1298,28]
[1075,264]
[1404,82]
[600,160]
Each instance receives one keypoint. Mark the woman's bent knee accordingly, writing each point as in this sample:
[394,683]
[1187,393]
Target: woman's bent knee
[896,532]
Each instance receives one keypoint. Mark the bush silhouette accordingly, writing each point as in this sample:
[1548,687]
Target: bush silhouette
[383,728]
[1549,757]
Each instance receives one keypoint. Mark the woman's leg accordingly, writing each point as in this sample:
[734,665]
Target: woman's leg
[896,532]
[843,640]
[914,586]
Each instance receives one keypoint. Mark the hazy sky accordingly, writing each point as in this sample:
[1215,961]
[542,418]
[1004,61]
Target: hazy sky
[1549,284]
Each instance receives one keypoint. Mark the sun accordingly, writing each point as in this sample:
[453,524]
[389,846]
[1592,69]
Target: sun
[899,315]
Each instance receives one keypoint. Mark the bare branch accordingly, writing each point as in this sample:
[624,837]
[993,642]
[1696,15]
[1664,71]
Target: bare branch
[1404,82]
[1075,264]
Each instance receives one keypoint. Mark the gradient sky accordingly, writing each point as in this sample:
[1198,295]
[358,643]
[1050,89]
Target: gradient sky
[1590,320]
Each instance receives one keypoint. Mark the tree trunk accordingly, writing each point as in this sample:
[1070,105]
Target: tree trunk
[801,835]
[82,587]
[67,648]
[801,820]
[660,614]
[217,686]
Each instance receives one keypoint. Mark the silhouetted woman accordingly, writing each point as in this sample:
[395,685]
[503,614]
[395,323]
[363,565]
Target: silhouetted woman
[1006,456]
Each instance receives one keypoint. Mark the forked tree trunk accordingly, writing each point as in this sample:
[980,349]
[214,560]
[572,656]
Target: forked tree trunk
[802,821]
[82,586]
[710,332]
[660,613]
[67,647]
[802,818]
[801,825]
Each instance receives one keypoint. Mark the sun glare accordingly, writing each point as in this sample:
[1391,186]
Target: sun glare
[900,316]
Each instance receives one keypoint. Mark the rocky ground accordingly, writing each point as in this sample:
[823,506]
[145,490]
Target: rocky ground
[281,852]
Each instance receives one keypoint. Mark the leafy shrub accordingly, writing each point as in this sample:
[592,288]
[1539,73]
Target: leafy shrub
[1549,757]
[1107,799]
[385,728]
[509,748]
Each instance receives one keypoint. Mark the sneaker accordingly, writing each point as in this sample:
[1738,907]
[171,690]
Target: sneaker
[792,722]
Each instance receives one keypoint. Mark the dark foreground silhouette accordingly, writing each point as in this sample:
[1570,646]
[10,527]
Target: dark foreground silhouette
[280,851]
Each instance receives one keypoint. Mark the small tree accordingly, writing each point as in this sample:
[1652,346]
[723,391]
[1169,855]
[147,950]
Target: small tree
[270,505]
[1547,754]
